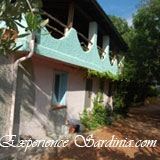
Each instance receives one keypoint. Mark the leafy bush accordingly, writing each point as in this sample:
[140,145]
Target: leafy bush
[107,75]
[153,91]
[132,94]
[99,116]
[119,104]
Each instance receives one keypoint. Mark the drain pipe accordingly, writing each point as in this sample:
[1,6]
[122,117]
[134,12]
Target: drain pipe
[15,71]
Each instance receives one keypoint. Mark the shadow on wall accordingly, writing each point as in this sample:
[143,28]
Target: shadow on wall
[25,96]
[5,79]
[25,110]
[5,91]
[58,120]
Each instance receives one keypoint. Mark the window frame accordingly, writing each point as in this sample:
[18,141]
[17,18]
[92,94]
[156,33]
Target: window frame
[56,105]
[59,89]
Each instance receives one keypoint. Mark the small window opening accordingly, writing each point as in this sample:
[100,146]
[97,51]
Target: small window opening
[59,92]
[101,85]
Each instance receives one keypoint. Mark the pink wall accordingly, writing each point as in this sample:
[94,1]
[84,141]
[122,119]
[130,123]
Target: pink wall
[44,73]
[95,90]
[75,96]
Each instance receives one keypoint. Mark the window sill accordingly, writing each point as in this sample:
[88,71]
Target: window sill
[54,107]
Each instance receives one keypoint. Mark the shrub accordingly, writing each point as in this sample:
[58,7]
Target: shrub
[99,116]
[119,105]
[153,92]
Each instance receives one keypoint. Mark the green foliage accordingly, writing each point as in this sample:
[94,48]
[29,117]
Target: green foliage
[120,23]
[11,13]
[7,45]
[85,118]
[32,21]
[142,60]
[153,91]
[119,105]
[142,63]
[98,117]
[146,54]
[107,75]
[123,28]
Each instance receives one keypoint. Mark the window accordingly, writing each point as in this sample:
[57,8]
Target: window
[59,91]
[110,89]
[89,84]
[101,85]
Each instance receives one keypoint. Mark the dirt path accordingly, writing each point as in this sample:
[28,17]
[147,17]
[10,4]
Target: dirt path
[142,124]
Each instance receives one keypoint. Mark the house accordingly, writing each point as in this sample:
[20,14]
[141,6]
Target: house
[53,85]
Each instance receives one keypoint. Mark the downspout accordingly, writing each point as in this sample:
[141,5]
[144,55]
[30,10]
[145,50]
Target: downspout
[15,71]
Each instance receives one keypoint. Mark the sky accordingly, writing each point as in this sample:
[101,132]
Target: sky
[120,8]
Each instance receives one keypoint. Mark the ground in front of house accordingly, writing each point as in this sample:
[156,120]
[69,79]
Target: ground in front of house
[143,123]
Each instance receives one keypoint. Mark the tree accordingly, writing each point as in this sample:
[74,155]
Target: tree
[142,62]
[123,28]
[11,14]
[147,40]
